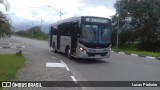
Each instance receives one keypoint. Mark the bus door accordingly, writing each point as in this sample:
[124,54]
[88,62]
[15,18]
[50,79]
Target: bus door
[74,32]
[58,37]
[50,36]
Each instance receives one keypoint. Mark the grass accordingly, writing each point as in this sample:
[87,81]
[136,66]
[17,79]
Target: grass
[9,65]
[141,53]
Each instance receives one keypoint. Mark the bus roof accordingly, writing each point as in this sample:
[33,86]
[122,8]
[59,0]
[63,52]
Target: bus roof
[73,19]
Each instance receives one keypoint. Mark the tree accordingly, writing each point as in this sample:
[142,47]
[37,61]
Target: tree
[5,26]
[34,32]
[4,23]
[144,14]
[5,3]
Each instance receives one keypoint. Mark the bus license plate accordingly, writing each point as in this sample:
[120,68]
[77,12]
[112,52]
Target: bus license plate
[97,56]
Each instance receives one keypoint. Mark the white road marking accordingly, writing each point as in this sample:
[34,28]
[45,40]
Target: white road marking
[150,57]
[9,42]
[134,55]
[54,57]
[13,47]
[65,66]
[73,78]
[121,53]
[49,64]
[62,63]
[23,46]
[0,47]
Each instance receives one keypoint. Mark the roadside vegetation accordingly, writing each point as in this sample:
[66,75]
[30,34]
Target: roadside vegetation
[9,65]
[34,32]
[139,52]
[139,27]
[5,26]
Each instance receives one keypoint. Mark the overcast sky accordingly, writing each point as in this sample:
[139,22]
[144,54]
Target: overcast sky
[28,11]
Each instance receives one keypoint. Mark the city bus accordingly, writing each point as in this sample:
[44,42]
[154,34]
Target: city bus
[82,37]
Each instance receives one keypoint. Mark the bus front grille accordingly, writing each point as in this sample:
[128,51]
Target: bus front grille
[93,54]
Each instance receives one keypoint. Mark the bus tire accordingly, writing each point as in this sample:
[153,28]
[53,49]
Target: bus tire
[54,48]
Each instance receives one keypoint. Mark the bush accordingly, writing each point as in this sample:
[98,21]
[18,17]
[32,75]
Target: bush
[19,53]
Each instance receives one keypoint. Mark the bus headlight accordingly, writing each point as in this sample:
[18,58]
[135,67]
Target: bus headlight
[82,49]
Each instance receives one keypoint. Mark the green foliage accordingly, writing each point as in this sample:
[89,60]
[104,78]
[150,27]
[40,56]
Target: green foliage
[19,53]
[132,50]
[9,65]
[34,32]
[114,33]
[145,18]
[21,33]
[5,26]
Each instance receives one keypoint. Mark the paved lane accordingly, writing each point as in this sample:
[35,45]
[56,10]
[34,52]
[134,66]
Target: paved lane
[118,67]
[36,66]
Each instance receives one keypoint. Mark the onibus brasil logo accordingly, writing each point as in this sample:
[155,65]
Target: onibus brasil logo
[20,84]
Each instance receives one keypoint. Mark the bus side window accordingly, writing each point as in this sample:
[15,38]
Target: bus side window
[66,29]
[54,31]
[63,29]
[76,27]
[51,31]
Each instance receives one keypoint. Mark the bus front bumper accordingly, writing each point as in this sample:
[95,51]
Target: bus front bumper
[84,54]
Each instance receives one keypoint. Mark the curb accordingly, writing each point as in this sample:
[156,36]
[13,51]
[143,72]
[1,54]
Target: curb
[136,55]
[5,47]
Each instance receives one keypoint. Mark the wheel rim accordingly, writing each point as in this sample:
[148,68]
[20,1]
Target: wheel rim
[54,48]
[68,53]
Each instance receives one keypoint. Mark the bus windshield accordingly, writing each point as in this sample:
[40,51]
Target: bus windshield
[95,34]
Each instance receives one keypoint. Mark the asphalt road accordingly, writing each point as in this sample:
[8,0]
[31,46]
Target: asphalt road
[118,67]
[35,69]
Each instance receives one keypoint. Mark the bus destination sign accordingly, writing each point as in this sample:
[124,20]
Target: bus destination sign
[96,20]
